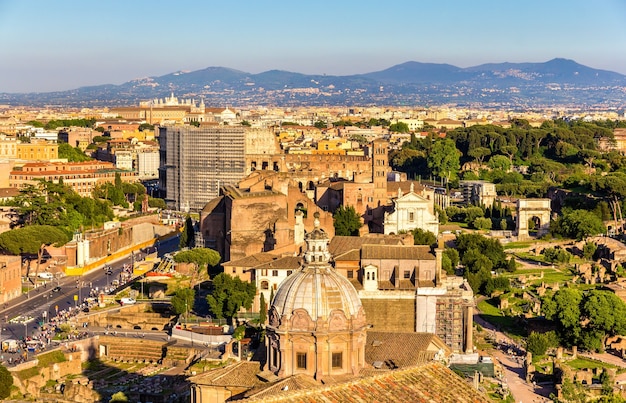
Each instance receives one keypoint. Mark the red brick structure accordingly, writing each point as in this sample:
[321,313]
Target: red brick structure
[259,215]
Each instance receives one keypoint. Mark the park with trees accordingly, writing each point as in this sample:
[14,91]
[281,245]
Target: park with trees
[560,283]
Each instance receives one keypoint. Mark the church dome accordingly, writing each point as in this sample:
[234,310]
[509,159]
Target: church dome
[316,287]
[317,291]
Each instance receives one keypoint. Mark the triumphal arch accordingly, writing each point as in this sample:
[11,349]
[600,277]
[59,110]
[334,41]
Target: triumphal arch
[537,210]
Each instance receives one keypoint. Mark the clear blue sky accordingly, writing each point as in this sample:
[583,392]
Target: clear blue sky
[48,45]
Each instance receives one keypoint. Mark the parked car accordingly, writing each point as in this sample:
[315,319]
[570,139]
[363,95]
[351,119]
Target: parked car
[127,301]
[46,275]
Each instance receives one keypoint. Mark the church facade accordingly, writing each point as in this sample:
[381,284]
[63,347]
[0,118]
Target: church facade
[411,211]
[317,324]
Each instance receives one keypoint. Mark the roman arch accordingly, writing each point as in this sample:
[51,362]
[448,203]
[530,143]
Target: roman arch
[537,210]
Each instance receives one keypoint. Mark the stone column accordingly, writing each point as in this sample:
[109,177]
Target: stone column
[469,328]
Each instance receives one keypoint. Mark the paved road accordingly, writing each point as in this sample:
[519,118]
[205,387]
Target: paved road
[23,315]
[513,365]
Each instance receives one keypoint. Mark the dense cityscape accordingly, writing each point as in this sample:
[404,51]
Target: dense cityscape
[174,251]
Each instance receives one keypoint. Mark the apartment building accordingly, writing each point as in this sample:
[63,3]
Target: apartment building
[10,278]
[37,150]
[82,177]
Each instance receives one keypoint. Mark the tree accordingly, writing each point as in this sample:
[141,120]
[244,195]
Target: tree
[499,162]
[564,309]
[73,154]
[538,343]
[6,381]
[262,310]
[202,258]
[423,237]
[346,221]
[479,154]
[187,237]
[497,284]
[229,295]
[183,300]
[32,240]
[444,159]
[481,223]
[605,312]
[589,250]
[578,224]
[399,127]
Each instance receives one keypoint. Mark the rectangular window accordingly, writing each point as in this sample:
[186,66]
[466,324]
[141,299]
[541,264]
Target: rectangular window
[411,216]
[301,360]
[274,273]
[289,272]
[350,274]
[407,274]
[337,360]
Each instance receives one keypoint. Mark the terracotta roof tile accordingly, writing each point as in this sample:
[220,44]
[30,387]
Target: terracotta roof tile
[342,244]
[252,260]
[241,374]
[416,252]
[402,349]
[286,263]
[426,383]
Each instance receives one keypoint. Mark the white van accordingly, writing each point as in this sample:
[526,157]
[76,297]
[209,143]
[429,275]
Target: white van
[46,275]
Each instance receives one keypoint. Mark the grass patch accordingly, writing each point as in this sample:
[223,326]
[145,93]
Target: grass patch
[51,358]
[580,363]
[45,360]
[28,373]
[492,314]
[519,245]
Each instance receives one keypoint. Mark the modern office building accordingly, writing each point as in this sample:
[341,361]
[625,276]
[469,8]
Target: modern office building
[196,161]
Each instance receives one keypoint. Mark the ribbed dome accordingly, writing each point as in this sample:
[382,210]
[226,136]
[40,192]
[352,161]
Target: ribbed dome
[316,287]
[318,291]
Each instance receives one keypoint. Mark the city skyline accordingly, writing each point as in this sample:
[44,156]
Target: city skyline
[69,44]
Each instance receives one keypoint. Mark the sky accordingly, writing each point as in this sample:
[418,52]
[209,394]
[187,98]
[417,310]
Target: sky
[52,45]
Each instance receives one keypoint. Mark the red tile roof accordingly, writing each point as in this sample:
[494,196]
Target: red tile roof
[427,383]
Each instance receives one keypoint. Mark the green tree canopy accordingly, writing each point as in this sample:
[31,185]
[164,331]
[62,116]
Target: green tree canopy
[202,258]
[444,159]
[262,310]
[187,237]
[564,309]
[578,224]
[230,294]
[346,221]
[6,381]
[423,237]
[183,300]
[73,154]
[55,204]
[30,239]
[399,127]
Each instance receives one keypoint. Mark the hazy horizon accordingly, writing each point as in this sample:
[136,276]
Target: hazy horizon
[55,46]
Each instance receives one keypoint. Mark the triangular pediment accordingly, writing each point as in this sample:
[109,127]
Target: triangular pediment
[411,197]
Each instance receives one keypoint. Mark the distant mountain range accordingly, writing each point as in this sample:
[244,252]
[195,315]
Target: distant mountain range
[558,82]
